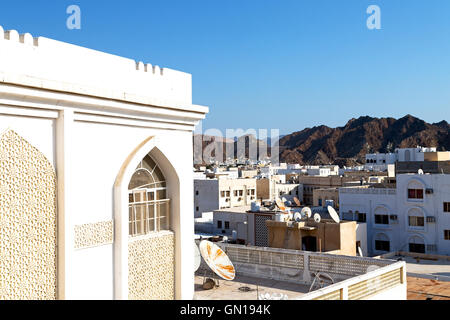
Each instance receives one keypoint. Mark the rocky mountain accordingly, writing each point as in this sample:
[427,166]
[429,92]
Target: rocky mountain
[347,145]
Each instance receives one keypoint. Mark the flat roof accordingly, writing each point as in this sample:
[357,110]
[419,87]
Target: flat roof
[229,290]
[423,289]
[434,268]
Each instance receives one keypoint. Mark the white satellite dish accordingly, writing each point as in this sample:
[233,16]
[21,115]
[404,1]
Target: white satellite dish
[217,260]
[420,172]
[360,252]
[197,257]
[317,218]
[307,211]
[333,214]
[297,217]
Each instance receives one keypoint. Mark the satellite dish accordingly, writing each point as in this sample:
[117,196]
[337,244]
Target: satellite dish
[360,252]
[297,202]
[217,260]
[420,171]
[280,205]
[307,211]
[284,200]
[333,214]
[317,218]
[197,257]
[297,217]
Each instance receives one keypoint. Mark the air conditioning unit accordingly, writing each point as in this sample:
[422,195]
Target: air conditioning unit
[429,191]
[431,219]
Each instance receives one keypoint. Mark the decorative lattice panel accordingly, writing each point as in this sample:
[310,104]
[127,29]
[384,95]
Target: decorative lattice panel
[27,221]
[335,295]
[265,257]
[94,234]
[261,233]
[368,288]
[151,267]
[341,265]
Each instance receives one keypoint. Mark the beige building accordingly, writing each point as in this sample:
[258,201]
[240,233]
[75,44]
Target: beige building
[310,183]
[270,189]
[320,197]
[248,173]
[326,236]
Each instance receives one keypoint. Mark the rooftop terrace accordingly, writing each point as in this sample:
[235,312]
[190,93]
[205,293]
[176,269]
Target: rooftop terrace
[293,272]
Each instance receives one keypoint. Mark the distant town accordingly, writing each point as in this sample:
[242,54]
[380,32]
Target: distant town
[395,205]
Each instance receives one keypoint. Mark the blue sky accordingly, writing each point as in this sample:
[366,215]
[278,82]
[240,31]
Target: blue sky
[283,64]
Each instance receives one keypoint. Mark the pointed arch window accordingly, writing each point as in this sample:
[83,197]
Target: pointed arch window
[148,204]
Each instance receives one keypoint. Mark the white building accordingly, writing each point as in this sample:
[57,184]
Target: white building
[213,194]
[380,161]
[95,174]
[413,217]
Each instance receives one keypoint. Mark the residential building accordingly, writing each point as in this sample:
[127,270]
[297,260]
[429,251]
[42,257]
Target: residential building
[213,194]
[414,216]
[270,189]
[324,236]
[310,183]
[96,174]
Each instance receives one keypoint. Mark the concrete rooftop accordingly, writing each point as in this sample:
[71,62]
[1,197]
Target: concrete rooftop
[229,290]
[439,268]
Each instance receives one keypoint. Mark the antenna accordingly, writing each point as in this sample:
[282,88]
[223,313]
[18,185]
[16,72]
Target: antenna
[317,218]
[333,214]
[217,260]
[197,258]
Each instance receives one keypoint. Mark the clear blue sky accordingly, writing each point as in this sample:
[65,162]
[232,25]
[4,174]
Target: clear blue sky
[285,64]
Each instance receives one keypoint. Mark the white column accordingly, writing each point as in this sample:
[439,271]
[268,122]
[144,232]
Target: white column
[65,230]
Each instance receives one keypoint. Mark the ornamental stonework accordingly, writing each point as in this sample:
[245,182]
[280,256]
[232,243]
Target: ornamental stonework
[27,221]
[151,268]
[94,234]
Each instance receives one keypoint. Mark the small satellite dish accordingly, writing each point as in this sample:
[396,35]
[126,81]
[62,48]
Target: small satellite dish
[333,214]
[197,257]
[297,217]
[360,252]
[280,205]
[284,200]
[217,260]
[420,172]
[317,218]
[307,211]
[297,202]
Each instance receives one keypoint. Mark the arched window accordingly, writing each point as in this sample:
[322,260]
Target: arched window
[407,155]
[416,218]
[416,244]
[382,242]
[148,204]
[381,215]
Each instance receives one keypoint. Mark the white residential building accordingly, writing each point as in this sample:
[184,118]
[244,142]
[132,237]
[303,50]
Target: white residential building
[213,194]
[415,216]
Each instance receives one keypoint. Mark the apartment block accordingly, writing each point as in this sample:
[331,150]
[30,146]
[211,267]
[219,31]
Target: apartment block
[414,216]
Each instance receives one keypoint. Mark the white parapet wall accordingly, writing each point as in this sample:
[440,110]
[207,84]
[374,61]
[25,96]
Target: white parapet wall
[50,64]
[355,278]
